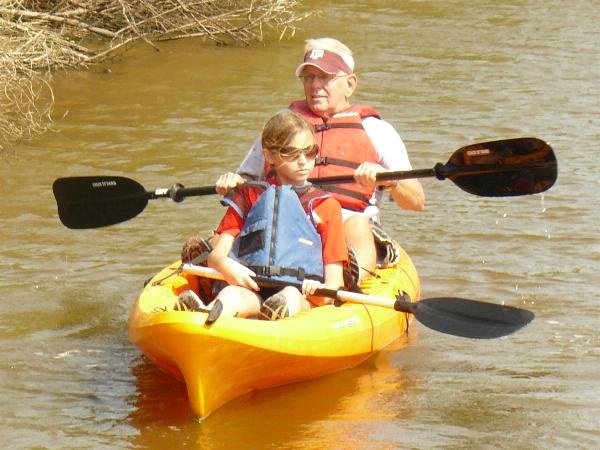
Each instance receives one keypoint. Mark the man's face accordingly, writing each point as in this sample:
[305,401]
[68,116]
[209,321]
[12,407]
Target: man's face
[326,94]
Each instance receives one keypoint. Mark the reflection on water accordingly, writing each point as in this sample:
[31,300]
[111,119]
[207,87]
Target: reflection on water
[446,74]
[282,417]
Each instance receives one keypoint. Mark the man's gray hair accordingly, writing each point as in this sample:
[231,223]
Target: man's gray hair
[332,45]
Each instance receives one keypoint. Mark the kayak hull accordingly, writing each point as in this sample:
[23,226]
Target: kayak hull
[235,356]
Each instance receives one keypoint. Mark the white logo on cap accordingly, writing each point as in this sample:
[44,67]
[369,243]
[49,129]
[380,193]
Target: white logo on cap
[317,54]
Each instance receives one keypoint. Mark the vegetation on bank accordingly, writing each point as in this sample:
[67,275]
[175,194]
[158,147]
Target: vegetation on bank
[38,37]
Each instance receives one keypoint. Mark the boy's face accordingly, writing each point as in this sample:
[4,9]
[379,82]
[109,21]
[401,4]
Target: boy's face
[294,164]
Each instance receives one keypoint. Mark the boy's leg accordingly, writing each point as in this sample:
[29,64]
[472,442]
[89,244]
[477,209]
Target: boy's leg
[238,301]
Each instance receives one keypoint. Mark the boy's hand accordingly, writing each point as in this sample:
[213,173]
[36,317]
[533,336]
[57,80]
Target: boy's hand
[237,274]
[309,287]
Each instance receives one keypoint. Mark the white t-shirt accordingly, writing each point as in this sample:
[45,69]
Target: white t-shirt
[388,144]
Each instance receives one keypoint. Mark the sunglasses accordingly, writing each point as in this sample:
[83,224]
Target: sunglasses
[325,78]
[290,153]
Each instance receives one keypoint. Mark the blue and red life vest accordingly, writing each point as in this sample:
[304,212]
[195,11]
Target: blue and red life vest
[279,238]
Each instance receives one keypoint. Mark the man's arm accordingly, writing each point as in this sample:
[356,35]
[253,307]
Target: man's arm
[407,194]
[252,168]
[253,165]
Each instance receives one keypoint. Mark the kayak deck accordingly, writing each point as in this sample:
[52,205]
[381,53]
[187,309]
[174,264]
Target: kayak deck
[235,356]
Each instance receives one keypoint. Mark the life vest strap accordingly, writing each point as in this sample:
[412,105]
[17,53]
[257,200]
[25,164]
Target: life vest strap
[270,271]
[325,160]
[346,192]
[328,126]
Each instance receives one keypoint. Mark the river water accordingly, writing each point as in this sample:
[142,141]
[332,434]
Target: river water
[446,74]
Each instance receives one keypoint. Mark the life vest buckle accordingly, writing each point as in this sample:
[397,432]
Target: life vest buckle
[322,127]
[273,270]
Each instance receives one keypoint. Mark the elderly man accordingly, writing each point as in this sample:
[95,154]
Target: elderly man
[353,140]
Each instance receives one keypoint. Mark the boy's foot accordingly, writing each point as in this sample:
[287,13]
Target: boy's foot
[274,308]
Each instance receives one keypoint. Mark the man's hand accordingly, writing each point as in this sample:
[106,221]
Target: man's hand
[228,181]
[366,174]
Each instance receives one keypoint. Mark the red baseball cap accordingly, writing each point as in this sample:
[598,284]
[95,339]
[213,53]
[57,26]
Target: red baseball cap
[328,62]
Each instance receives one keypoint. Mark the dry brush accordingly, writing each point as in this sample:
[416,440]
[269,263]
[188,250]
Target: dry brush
[40,37]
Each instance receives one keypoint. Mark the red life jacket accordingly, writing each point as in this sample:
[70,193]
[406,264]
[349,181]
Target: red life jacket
[343,146]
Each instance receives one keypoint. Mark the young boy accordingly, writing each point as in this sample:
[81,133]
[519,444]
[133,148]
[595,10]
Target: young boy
[306,247]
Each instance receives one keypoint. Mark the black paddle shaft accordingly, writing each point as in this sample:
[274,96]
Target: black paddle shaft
[498,168]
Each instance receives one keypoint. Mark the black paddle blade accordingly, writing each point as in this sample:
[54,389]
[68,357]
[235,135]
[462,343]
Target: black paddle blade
[470,318]
[92,202]
[502,168]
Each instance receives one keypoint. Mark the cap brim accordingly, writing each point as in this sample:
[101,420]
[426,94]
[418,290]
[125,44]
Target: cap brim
[329,70]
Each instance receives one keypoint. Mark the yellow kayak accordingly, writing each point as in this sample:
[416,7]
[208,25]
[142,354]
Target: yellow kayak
[235,356]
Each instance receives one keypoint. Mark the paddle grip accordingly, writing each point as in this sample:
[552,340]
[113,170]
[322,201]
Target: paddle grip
[178,192]
[402,305]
